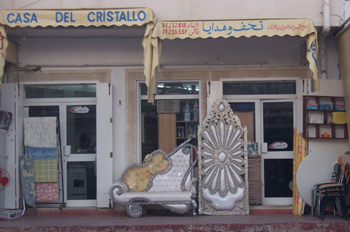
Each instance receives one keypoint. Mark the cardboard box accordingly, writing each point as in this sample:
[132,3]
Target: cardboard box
[315,119]
[254,168]
[247,118]
[312,106]
[328,106]
[340,107]
[255,196]
[254,179]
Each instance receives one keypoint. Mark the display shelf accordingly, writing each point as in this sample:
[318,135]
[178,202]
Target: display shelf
[184,129]
[319,120]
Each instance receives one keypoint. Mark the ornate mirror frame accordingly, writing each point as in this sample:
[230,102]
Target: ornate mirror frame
[223,163]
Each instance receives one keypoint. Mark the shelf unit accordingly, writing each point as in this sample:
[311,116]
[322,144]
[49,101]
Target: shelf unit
[189,128]
[317,122]
[169,135]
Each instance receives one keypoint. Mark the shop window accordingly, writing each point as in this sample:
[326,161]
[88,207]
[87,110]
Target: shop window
[172,118]
[81,181]
[166,88]
[60,91]
[278,177]
[259,88]
[246,113]
[81,128]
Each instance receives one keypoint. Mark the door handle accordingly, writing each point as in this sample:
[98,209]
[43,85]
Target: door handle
[67,150]
[264,148]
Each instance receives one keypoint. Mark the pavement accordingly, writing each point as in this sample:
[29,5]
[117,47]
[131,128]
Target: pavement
[109,220]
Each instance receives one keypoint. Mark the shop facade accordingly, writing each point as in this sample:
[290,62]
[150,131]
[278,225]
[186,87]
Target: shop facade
[101,68]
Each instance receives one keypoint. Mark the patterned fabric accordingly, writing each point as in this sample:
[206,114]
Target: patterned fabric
[46,191]
[41,153]
[45,170]
[40,132]
[27,176]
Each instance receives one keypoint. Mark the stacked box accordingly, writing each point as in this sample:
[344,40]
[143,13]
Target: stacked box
[340,107]
[254,179]
[312,106]
[328,106]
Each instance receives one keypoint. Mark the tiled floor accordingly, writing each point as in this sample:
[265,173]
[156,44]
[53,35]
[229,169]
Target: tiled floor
[105,220]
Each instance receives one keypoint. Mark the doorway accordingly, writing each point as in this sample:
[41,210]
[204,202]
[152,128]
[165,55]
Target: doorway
[75,109]
[269,111]
[277,151]
[270,123]
[77,134]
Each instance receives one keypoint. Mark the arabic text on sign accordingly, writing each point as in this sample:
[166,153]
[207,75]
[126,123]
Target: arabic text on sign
[283,27]
[213,27]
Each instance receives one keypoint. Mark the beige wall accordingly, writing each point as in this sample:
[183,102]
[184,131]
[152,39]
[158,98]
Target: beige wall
[343,43]
[197,74]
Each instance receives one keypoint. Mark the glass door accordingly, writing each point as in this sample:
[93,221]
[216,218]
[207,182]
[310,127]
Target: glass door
[277,124]
[80,154]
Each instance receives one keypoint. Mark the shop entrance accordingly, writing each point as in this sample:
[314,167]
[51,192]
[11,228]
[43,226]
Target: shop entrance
[277,151]
[270,124]
[269,110]
[77,126]
[86,163]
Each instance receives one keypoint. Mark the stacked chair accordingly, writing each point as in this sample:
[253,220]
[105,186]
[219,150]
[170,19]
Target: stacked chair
[333,192]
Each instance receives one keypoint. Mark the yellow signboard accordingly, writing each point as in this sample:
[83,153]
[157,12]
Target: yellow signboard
[77,17]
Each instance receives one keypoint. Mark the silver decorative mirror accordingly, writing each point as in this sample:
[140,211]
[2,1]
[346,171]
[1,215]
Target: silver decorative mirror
[223,163]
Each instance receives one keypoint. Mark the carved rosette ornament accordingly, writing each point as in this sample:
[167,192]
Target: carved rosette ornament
[223,166]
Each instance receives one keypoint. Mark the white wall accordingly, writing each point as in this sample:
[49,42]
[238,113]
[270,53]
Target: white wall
[346,9]
[119,121]
[275,50]
[196,9]
[60,52]
[337,146]
[333,71]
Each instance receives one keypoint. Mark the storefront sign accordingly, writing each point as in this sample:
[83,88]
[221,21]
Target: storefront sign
[215,29]
[75,17]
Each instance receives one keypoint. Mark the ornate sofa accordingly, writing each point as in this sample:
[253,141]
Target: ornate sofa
[165,179]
